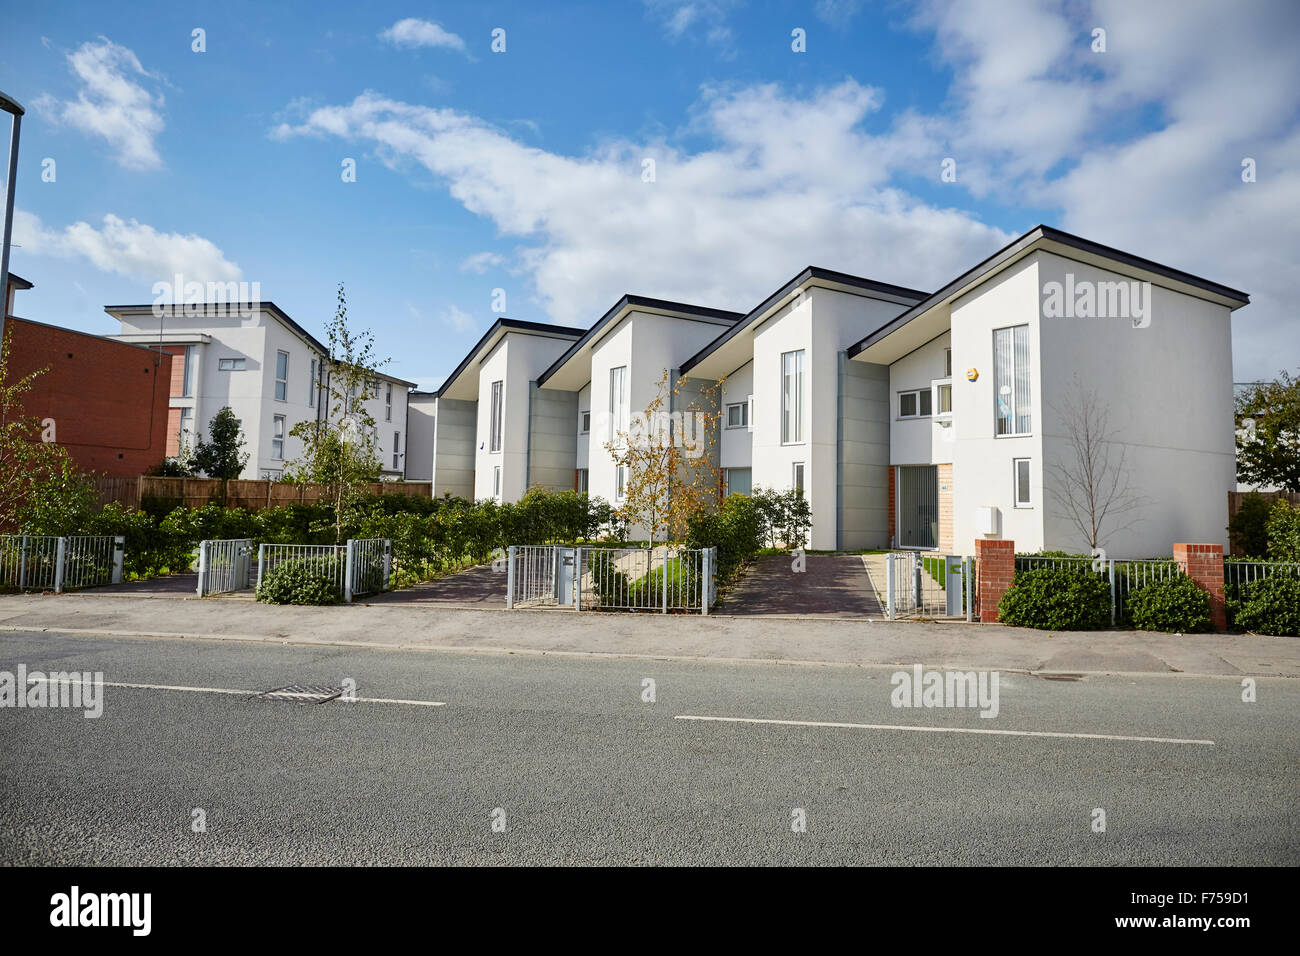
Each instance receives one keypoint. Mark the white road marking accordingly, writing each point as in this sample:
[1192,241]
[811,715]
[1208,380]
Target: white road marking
[250,693]
[944,730]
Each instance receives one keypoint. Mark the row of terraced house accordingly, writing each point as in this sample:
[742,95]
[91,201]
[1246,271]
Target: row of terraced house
[907,418]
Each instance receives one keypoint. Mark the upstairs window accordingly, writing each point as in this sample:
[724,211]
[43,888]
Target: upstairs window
[1011,408]
[281,376]
[915,403]
[738,415]
[230,365]
[495,435]
[618,405]
[792,397]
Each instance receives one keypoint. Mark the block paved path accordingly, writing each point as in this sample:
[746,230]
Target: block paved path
[831,585]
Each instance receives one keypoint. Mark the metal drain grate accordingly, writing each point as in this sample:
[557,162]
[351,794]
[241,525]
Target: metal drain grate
[301,694]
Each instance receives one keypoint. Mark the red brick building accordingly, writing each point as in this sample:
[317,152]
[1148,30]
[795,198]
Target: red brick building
[108,401]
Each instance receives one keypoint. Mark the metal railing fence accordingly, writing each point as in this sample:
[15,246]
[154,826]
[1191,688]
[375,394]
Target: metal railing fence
[53,563]
[357,568]
[664,579]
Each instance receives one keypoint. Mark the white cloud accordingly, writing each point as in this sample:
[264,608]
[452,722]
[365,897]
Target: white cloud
[837,13]
[696,18]
[790,181]
[481,262]
[128,248]
[422,33]
[112,104]
[458,319]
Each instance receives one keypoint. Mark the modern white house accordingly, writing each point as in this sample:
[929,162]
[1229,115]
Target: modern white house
[266,367]
[795,415]
[990,378]
[908,419]
[616,369]
[493,437]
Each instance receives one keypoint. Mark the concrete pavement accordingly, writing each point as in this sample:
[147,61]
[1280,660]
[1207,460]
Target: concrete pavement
[865,641]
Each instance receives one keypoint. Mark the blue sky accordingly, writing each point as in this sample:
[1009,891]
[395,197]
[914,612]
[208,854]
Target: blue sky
[523,170]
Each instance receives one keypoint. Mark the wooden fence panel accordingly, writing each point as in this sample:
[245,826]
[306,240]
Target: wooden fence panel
[254,495]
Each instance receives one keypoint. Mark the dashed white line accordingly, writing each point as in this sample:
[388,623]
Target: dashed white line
[943,730]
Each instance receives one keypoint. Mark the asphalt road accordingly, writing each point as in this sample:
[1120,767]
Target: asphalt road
[582,771]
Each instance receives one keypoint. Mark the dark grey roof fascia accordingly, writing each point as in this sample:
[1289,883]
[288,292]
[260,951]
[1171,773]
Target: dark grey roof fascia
[1014,248]
[519,325]
[811,272]
[633,301]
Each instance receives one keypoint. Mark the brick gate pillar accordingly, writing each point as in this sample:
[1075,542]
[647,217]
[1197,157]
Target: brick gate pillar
[1203,563]
[996,566]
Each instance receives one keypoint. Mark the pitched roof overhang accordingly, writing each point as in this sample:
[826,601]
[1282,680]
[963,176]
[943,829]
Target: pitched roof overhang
[462,383]
[932,317]
[572,370]
[734,347]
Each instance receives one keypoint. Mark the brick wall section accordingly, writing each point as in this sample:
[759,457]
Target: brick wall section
[945,508]
[108,399]
[1203,563]
[997,565]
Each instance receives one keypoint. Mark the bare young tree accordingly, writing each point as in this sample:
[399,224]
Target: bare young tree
[1092,485]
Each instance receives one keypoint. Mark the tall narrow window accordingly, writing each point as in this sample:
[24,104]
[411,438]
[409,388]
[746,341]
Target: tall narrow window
[397,447]
[618,419]
[496,481]
[388,403]
[281,376]
[311,385]
[797,478]
[277,438]
[189,374]
[497,389]
[792,397]
[187,427]
[947,363]
[1011,381]
[620,482]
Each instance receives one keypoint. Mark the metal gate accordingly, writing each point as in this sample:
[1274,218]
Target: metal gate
[368,563]
[49,563]
[925,584]
[663,579]
[225,565]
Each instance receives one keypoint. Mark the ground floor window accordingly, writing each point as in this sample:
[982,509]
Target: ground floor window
[796,480]
[277,438]
[1020,476]
[583,481]
[736,481]
[496,481]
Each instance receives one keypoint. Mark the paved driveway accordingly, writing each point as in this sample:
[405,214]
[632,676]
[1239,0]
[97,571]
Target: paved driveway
[831,585]
[481,586]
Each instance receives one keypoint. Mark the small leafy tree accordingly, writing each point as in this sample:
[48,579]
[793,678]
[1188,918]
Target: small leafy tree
[223,457]
[670,461]
[1268,433]
[41,489]
[340,450]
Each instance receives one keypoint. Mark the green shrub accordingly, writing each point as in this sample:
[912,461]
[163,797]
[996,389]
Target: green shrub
[607,581]
[1270,606]
[1283,531]
[1057,599]
[1173,605]
[683,586]
[302,581]
[1248,528]
[735,529]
